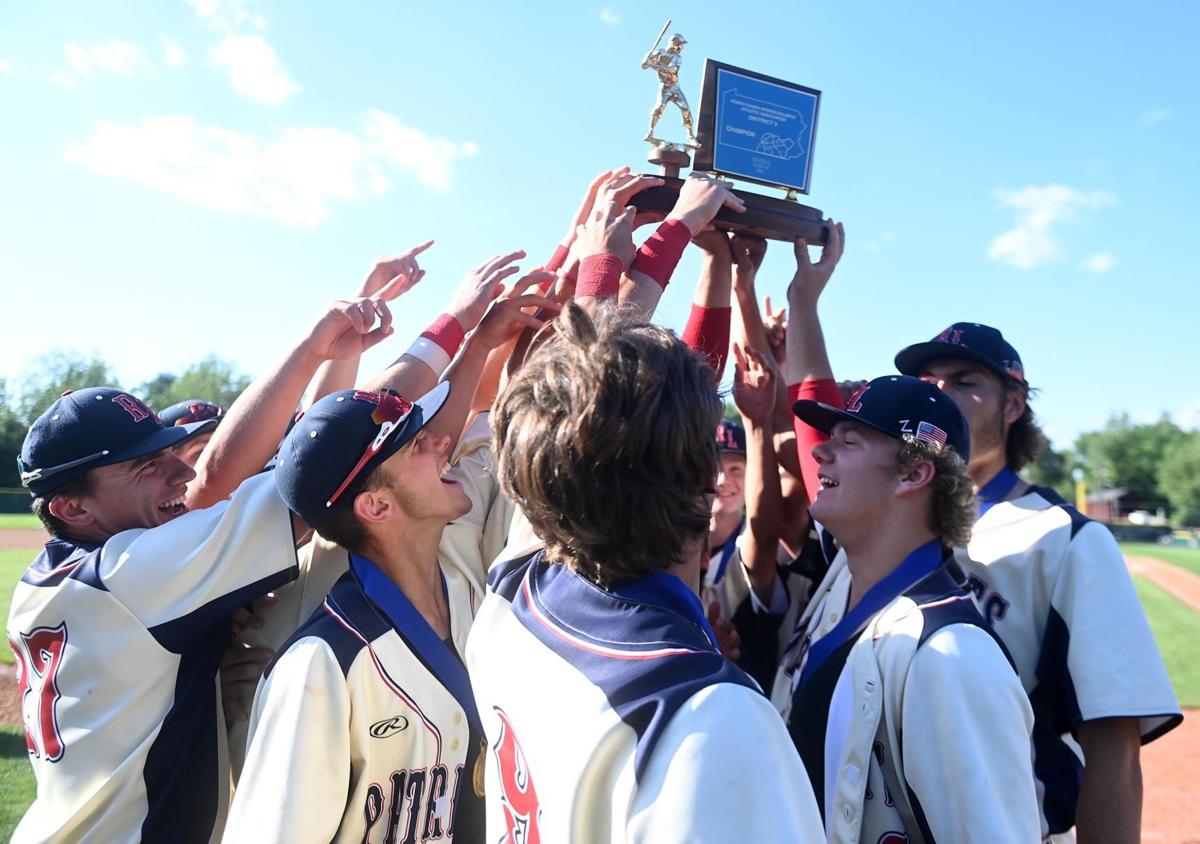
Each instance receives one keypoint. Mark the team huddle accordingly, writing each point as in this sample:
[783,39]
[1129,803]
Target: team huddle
[527,584]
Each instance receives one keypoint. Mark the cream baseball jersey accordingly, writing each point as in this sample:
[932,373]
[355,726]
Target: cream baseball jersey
[611,716]
[364,727]
[1055,588]
[908,690]
[466,544]
[117,648]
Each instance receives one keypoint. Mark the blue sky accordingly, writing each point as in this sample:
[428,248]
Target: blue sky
[184,178]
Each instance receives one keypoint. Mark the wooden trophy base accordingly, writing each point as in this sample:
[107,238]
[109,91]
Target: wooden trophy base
[765,216]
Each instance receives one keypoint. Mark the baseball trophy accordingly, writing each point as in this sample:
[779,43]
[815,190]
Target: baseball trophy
[750,127]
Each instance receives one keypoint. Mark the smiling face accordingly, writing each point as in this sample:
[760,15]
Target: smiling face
[990,408]
[857,470]
[731,485]
[141,493]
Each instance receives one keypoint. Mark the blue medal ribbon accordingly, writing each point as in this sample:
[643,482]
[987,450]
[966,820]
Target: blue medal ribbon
[667,590]
[445,665]
[997,489]
[916,565]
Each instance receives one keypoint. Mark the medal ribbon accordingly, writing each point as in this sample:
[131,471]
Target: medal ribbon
[916,565]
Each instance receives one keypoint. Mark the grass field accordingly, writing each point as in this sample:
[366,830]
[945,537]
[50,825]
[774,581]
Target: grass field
[19,521]
[1188,558]
[13,563]
[16,780]
[1177,631]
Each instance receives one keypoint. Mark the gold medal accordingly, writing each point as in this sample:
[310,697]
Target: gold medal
[477,774]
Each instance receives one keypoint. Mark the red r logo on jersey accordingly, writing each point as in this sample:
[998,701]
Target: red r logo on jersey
[135,408]
[518,797]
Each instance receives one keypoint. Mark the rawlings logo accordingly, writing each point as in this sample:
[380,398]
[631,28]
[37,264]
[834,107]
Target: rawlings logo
[388,726]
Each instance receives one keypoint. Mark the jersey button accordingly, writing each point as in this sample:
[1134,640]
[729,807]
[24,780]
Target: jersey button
[455,744]
[833,618]
[457,719]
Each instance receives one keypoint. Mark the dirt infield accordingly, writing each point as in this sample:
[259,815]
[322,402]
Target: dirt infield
[1170,773]
[1179,582]
[23,538]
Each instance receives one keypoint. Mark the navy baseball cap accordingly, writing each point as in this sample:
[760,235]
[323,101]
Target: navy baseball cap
[731,438]
[900,406]
[970,340]
[86,429]
[341,439]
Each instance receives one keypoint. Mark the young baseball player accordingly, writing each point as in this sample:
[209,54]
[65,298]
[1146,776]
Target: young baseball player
[372,684]
[909,717]
[610,715]
[1054,586]
[119,625]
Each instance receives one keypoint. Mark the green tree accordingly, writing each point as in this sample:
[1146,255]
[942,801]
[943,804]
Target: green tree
[211,379]
[49,375]
[1179,479]
[1053,469]
[12,434]
[1126,455]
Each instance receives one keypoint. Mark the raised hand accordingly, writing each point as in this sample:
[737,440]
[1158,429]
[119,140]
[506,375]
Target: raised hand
[348,328]
[588,203]
[700,199]
[608,230]
[507,316]
[481,286]
[753,385]
[748,253]
[810,279]
[775,327]
[396,275]
[715,245]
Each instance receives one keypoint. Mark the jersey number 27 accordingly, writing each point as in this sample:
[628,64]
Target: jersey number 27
[39,655]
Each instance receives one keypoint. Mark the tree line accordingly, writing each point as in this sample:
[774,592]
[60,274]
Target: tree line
[1158,464]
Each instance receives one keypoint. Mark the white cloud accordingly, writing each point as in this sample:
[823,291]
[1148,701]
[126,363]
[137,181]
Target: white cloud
[5,66]
[879,242]
[1032,242]
[118,57]
[610,16]
[228,15]
[291,177]
[172,53]
[1155,115]
[254,68]
[1101,262]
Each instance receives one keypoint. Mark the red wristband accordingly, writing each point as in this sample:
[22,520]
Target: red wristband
[817,389]
[599,275]
[707,332]
[557,259]
[446,332]
[661,252]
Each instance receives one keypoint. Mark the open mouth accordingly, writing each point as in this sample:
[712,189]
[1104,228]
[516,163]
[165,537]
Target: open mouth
[444,479]
[826,481]
[173,507]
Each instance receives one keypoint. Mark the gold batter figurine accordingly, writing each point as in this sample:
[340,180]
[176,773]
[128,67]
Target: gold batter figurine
[666,64]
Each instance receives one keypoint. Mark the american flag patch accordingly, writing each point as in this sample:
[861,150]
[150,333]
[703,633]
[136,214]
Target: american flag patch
[927,432]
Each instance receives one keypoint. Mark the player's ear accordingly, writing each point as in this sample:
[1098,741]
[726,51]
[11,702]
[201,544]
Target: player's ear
[71,510]
[1014,404]
[917,477]
[373,506]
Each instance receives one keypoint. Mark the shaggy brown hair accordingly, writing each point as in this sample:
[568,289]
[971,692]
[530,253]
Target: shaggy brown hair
[55,526]
[954,509]
[1026,442]
[605,441]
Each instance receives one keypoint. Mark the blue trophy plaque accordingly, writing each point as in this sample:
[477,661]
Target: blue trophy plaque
[758,128]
